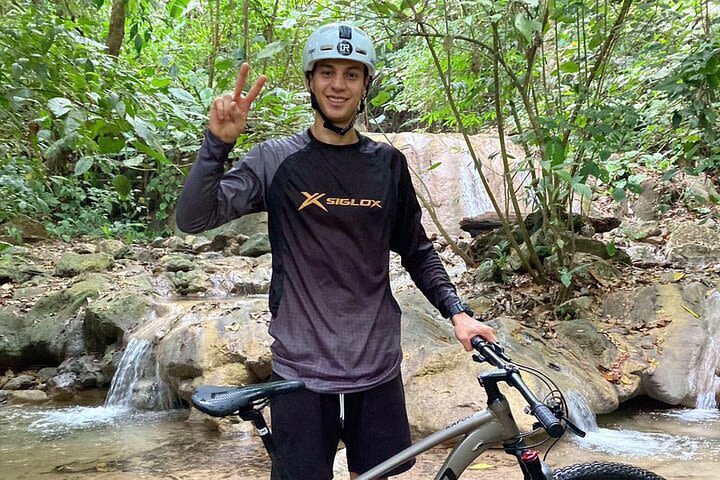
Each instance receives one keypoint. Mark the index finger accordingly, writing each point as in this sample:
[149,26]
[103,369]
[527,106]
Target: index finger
[241,79]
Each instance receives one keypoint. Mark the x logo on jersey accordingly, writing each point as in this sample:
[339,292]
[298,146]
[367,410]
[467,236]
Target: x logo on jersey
[312,199]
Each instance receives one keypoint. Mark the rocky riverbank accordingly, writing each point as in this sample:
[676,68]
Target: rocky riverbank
[69,310]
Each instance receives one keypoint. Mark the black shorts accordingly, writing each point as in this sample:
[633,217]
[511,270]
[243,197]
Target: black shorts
[307,429]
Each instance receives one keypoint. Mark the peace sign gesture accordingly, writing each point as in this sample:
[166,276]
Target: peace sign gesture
[228,113]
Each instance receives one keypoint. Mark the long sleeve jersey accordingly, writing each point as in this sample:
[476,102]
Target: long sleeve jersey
[334,214]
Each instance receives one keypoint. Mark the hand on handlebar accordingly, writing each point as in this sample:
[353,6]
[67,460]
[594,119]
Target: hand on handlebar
[467,327]
[228,113]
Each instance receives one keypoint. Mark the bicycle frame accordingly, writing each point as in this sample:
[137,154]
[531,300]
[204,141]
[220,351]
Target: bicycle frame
[481,431]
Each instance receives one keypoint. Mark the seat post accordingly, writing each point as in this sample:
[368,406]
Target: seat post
[257,419]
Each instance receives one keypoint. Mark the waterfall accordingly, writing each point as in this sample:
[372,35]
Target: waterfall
[580,412]
[137,382]
[707,380]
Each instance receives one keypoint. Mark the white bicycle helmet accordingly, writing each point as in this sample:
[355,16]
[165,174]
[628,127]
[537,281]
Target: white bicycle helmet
[339,41]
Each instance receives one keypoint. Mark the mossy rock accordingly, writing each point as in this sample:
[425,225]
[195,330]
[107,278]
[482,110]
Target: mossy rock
[110,318]
[72,264]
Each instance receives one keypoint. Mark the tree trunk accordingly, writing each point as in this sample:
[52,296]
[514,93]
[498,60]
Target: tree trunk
[116,32]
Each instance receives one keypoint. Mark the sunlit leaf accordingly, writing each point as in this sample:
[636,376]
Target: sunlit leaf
[182,95]
[83,165]
[59,106]
[382,97]
[569,67]
[526,26]
[271,50]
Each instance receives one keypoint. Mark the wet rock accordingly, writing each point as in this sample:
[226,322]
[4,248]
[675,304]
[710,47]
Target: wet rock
[254,246]
[21,382]
[694,245]
[109,319]
[193,281]
[177,263]
[62,387]
[19,397]
[45,374]
[3,397]
[72,264]
[57,320]
[14,339]
[114,248]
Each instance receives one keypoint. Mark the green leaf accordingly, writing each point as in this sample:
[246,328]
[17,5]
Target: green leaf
[434,166]
[563,174]
[182,95]
[133,161]
[570,67]
[526,26]
[565,277]
[122,186]
[271,50]
[619,194]
[611,249]
[382,97]
[110,145]
[676,119]
[160,82]
[83,165]
[582,189]
[158,155]
[59,106]
[554,151]
[143,129]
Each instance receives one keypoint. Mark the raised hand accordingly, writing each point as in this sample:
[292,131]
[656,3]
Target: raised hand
[228,113]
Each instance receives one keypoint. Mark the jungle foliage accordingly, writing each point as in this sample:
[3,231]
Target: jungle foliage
[97,140]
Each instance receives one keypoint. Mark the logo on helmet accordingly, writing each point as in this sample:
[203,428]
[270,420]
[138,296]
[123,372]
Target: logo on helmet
[345,48]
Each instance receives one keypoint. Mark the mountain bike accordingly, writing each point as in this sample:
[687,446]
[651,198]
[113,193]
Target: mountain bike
[477,433]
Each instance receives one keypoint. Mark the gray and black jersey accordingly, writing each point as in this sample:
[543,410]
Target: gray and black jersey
[334,214]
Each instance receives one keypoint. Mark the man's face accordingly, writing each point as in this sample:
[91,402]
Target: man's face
[338,86]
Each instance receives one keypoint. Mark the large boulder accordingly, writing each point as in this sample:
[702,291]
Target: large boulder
[671,336]
[57,320]
[72,264]
[224,345]
[16,268]
[112,317]
[693,245]
[14,339]
[22,229]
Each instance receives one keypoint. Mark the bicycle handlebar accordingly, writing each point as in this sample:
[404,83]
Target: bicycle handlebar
[493,356]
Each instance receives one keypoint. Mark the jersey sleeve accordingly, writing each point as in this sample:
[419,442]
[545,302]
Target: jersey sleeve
[419,258]
[211,196]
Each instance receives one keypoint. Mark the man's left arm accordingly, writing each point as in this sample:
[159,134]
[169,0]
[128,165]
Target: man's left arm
[425,267]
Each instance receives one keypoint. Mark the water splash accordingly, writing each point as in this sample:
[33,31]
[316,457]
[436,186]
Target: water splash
[707,381]
[629,443]
[137,382]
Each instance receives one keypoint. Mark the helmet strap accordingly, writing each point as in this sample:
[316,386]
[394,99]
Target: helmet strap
[329,124]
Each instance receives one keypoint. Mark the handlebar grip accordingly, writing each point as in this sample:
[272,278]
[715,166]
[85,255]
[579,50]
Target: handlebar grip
[549,421]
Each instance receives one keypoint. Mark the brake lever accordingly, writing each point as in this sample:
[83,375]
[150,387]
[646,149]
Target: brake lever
[574,428]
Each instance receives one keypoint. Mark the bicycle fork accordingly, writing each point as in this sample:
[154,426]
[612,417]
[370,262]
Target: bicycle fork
[532,466]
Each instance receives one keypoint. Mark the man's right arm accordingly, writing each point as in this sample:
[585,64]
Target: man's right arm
[212,197]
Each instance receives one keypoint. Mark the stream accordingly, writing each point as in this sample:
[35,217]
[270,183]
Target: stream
[118,443]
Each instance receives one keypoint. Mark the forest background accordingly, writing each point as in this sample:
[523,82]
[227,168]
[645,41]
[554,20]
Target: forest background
[103,103]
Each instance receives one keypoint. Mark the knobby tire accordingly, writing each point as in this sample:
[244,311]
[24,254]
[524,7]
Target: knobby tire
[604,471]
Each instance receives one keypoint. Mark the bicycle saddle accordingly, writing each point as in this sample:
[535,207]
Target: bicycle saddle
[224,401]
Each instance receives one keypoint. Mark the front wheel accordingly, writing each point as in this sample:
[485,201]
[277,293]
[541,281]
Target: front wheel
[604,471]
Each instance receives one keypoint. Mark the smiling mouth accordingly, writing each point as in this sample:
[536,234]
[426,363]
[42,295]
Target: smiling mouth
[336,100]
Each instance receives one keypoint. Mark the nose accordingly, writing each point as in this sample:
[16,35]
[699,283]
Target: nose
[338,82]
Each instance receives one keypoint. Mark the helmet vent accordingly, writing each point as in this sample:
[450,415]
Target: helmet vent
[361,52]
[325,48]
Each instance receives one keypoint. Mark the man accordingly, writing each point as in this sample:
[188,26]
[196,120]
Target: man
[337,204]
